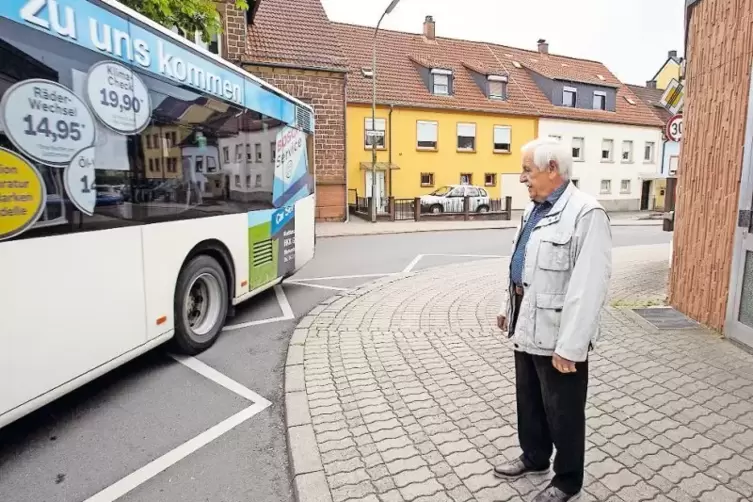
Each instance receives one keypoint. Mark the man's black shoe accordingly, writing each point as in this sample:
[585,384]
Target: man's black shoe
[554,494]
[516,468]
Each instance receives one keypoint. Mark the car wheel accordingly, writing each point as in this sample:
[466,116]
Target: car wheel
[436,209]
[483,209]
[200,305]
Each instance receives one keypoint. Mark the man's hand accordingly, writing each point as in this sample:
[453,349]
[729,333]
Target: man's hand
[502,322]
[563,365]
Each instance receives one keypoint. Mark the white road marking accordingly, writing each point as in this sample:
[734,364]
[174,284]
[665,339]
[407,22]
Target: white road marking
[336,277]
[287,310]
[318,286]
[412,264]
[156,466]
[233,327]
[465,255]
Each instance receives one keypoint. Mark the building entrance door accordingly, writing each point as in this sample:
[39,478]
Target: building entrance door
[739,325]
[645,194]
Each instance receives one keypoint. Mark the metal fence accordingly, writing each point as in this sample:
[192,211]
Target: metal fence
[404,209]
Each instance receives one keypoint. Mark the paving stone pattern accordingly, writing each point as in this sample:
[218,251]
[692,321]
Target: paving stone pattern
[403,390]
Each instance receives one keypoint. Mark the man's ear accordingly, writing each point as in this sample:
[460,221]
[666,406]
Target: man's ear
[552,166]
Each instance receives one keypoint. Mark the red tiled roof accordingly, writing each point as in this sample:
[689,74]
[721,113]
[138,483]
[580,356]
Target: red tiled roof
[652,97]
[399,81]
[297,33]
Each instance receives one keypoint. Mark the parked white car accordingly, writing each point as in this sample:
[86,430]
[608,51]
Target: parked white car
[449,199]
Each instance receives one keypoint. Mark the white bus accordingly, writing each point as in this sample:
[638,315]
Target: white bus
[120,226]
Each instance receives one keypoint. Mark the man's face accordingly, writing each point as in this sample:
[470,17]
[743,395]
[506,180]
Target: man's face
[540,183]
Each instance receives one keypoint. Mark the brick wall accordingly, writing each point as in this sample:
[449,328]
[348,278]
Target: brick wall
[719,55]
[235,31]
[325,92]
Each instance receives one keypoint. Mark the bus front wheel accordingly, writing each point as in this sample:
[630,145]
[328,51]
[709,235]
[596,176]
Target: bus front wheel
[201,305]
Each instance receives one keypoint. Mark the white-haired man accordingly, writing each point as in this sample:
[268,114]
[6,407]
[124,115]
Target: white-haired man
[559,274]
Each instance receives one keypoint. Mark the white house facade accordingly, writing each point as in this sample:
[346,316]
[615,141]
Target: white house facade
[248,161]
[618,164]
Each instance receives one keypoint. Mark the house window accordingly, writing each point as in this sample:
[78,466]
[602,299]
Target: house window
[625,186]
[151,164]
[257,150]
[490,180]
[238,154]
[502,139]
[466,179]
[426,133]
[627,151]
[226,153]
[257,181]
[199,164]
[578,149]
[427,179]
[648,152]
[440,84]
[466,137]
[248,181]
[248,153]
[497,87]
[369,136]
[600,100]
[237,180]
[273,151]
[149,141]
[606,150]
[606,186]
[569,97]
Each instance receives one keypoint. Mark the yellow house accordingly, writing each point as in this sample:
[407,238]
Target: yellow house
[669,70]
[428,149]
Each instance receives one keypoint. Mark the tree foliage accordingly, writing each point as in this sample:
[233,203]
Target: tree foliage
[188,15]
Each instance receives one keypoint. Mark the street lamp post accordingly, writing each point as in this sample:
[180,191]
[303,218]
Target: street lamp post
[389,9]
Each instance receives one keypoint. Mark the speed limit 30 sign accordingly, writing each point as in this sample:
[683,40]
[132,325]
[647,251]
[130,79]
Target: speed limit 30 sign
[674,128]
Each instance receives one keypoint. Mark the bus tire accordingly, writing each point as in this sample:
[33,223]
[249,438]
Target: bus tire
[201,304]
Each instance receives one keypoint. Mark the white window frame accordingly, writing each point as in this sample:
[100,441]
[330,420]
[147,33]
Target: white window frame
[509,138]
[430,183]
[447,74]
[601,94]
[465,126]
[582,156]
[608,190]
[629,160]
[497,79]
[573,90]
[494,180]
[433,124]
[650,159]
[611,150]
[381,125]
[259,153]
[624,190]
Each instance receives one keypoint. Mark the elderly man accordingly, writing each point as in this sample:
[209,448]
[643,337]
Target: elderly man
[559,275]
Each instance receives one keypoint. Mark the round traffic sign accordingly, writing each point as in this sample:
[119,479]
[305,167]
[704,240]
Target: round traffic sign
[674,128]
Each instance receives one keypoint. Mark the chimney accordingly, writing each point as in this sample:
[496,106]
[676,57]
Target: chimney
[673,54]
[651,84]
[543,46]
[429,28]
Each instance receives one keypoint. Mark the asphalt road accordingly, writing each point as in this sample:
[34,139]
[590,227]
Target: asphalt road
[100,434]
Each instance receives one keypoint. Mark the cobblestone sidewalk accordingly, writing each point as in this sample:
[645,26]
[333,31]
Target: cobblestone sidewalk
[404,390]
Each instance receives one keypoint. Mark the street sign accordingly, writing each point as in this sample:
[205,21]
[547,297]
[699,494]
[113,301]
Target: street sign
[674,128]
[673,97]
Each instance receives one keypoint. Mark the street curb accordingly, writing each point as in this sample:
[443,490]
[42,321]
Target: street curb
[618,223]
[307,470]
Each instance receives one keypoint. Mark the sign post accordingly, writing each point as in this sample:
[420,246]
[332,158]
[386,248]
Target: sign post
[674,128]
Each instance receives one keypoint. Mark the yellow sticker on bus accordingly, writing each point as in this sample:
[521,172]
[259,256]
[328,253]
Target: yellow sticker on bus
[22,194]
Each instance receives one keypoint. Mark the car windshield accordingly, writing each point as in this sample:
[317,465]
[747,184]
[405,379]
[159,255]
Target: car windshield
[441,191]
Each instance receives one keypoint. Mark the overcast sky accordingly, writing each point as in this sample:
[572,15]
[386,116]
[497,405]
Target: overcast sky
[631,38]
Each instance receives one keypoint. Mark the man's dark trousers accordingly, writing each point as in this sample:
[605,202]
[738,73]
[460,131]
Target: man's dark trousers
[552,411]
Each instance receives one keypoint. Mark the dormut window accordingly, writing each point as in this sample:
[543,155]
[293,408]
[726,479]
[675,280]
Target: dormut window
[606,186]
[607,146]
[600,100]
[490,180]
[427,179]
[625,186]
[627,151]
[466,137]
[497,86]
[569,96]
[578,153]
[502,139]
[440,82]
[426,133]
[374,134]
[648,152]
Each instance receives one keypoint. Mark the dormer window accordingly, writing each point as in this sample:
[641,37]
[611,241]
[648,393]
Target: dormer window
[569,97]
[440,82]
[497,87]
[600,100]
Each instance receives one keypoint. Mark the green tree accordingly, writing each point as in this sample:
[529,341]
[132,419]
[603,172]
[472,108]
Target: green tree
[188,15]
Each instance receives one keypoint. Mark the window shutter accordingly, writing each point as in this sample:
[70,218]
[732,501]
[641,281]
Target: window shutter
[467,130]
[501,135]
[427,131]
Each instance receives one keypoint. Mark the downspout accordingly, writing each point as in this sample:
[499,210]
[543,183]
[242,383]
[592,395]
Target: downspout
[345,144]
[389,151]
